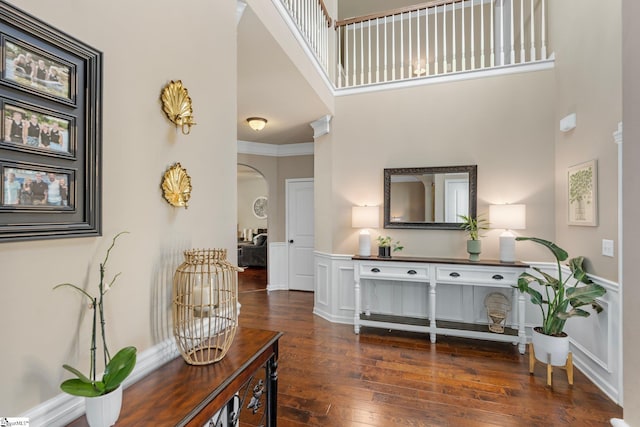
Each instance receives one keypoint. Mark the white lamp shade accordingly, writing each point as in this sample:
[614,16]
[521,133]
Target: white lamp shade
[365,217]
[509,217]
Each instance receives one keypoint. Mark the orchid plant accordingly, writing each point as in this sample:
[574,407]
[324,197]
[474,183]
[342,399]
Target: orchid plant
[118,367]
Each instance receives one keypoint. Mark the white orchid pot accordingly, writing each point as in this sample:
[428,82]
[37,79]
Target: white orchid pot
[103,411]
[547,345]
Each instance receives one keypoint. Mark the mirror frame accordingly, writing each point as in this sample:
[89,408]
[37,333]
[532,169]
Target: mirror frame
[472,170]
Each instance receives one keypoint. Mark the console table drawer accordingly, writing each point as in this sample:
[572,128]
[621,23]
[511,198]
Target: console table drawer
[394,272]
[484,276]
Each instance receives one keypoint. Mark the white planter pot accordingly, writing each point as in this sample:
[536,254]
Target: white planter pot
[103,411]
[545,345]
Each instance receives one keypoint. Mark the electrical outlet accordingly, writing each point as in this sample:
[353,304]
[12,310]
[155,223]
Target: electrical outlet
[607,247]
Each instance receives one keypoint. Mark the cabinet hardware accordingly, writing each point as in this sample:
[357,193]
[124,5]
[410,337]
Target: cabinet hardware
[412,272]
[497,277]
[375,270]
[454,274]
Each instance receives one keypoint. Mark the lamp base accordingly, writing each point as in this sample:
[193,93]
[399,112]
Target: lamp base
[364,240]
[507,247]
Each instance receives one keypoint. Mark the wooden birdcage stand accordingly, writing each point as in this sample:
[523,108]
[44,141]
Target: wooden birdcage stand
[568,366]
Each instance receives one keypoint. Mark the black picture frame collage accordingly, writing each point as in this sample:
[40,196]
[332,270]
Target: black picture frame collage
[50,132]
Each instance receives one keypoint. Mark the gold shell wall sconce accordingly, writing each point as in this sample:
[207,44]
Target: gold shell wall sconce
[176,186]
[176,104]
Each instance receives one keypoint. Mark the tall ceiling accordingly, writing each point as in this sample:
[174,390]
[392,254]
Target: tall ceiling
[270,86]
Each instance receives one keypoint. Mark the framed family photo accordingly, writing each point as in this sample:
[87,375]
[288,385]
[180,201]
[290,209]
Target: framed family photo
[30,128]
[37,70]
[50,131]
[583,194]
[34,187]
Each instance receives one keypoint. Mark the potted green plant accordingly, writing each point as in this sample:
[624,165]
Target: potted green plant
[386,246]
[103,395]
[473,226]
[559,298]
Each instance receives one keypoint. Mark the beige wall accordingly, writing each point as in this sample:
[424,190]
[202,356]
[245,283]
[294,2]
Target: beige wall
[44,329]
[503,124]
[631,210]
[276,171]
[591,88]
[323,191]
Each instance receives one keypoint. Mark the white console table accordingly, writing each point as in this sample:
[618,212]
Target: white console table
[437,273]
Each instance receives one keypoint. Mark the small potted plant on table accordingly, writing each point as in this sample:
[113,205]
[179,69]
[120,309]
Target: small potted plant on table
[104,395]
[473,226]
[386,246]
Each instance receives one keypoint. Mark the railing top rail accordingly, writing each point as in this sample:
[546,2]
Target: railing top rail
[398,11]
[325,12]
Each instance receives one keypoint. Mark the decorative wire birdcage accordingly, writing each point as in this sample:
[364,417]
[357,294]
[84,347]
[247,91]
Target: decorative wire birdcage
[205,305]
[498,306]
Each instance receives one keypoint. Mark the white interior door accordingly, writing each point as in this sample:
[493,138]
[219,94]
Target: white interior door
[456,199]
[300,224]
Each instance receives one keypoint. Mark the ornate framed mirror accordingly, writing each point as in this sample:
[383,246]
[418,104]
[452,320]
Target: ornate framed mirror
[430,197]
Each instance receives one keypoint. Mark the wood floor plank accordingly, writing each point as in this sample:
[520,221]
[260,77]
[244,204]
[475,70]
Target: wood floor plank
[330,377]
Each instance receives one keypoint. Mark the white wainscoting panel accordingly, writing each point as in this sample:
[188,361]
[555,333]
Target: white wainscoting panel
[334,287]
[322,278]
[278,267]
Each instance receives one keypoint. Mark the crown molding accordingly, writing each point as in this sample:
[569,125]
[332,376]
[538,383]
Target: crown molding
[275,150]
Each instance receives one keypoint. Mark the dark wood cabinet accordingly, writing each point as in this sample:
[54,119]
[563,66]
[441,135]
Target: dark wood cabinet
[178,394]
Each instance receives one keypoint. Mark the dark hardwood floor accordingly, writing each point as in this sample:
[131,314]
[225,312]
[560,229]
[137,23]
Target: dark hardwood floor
[328,376]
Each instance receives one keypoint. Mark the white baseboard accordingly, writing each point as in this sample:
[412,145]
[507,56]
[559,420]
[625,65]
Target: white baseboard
[333,319]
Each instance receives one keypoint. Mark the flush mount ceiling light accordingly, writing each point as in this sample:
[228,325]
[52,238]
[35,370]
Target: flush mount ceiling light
[257,123]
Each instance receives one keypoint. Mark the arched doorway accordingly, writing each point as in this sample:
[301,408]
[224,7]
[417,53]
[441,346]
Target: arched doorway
[253,229]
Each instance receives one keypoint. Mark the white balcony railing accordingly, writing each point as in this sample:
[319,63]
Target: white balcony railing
[314,22]
[429,39]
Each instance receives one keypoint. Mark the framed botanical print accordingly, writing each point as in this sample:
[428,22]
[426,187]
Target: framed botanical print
[583,194]
[50,131]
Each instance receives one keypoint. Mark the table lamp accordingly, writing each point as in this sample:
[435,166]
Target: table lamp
[508,217]
[365,217]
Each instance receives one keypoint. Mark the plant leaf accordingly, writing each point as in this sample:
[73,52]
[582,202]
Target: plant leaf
[575,264]
[119,368]
[549,280]
[77,387]
[523,285]
[573,312]
[559,253]
[77,373]
[584,295]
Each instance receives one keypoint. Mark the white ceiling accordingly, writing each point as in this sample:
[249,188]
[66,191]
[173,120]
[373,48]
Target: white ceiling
[270,86]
